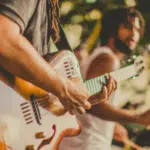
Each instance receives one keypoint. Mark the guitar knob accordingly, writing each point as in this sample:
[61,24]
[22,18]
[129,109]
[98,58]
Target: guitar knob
[30,147]
[39,135]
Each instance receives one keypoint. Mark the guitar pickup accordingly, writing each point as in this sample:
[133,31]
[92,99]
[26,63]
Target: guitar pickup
[35,108]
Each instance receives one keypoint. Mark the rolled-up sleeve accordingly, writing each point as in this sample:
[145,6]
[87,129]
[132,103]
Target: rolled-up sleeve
[20,11]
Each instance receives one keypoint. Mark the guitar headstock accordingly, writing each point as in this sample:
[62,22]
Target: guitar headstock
[139,64]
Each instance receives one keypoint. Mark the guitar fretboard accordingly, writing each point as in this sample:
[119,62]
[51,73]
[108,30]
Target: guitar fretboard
[95,85]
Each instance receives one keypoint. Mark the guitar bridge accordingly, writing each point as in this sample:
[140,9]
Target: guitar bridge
[26,111]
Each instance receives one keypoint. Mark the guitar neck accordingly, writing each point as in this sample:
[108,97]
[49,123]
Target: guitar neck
[95,85]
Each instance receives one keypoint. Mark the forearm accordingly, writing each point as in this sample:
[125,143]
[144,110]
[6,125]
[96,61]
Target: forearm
[108,112]
[20,58]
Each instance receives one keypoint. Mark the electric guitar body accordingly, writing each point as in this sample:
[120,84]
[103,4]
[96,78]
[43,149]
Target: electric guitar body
[27,120]
[32,119]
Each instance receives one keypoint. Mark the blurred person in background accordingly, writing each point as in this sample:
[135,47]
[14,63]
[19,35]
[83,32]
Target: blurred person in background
[122,29]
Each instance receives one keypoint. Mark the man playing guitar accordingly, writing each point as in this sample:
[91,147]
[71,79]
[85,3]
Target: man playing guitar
[25,30]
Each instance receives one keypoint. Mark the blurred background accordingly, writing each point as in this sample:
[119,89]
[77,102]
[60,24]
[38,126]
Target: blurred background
[81,20]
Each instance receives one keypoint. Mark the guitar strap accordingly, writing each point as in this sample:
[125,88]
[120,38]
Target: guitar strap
[63,43]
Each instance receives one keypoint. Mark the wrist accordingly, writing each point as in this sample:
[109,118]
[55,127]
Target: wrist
[62,87]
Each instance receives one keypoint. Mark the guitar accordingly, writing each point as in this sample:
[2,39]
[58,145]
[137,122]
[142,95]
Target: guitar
[29,122]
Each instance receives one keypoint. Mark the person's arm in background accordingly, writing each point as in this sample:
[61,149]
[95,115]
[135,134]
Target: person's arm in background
[121,135]
[105,63]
